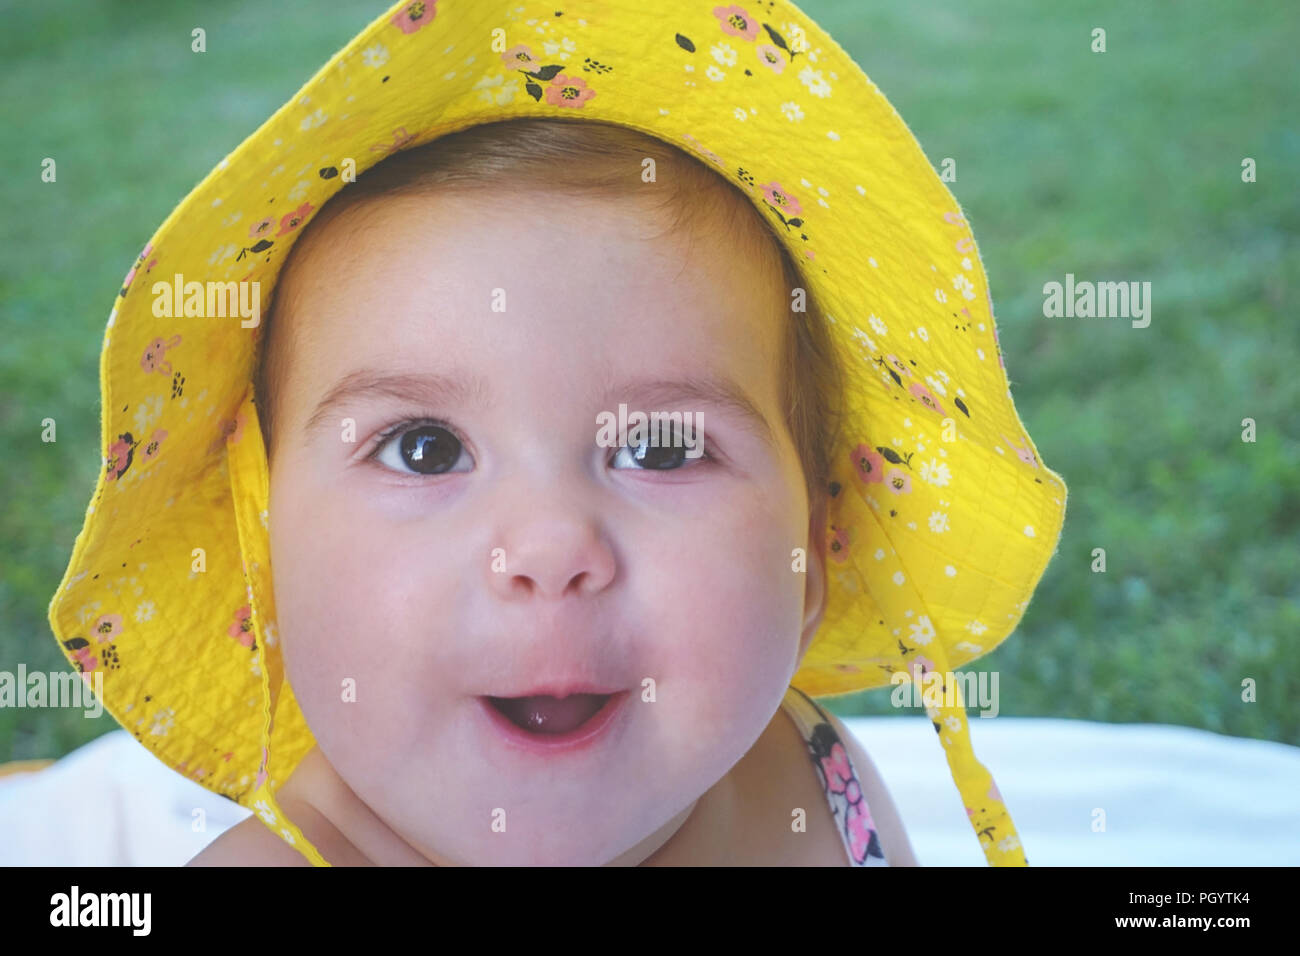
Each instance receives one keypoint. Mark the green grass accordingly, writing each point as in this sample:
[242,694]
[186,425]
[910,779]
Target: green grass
[1123,165]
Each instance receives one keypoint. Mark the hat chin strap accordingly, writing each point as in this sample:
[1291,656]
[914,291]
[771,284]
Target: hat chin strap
[246,460]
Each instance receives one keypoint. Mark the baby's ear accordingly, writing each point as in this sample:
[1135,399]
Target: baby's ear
[814,602]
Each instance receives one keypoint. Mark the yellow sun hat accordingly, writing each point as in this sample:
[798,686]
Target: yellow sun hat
[942,517]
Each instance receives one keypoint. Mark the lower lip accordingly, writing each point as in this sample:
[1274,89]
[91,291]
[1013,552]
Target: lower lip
[584,737]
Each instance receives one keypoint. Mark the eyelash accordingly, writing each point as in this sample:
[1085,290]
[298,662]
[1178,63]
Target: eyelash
[383,438]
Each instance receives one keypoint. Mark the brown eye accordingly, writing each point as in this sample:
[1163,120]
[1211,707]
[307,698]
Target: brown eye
[421,448]
[430,449]
[651,456]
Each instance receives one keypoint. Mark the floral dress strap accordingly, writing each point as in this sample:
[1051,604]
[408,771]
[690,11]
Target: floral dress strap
[839,780]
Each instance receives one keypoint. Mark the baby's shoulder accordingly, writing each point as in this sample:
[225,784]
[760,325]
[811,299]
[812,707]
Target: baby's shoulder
[249,843]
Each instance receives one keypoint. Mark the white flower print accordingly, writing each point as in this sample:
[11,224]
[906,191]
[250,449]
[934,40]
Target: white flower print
[559,51]
[1008,843]
[976,628]
[144,611]
[815,82]
[264,811]
[964,286]
[880,327]
[935,472]
[935,384]
[375,56]
[162,722]
[943,375]
[968,646]
[740,113]
[222,253]
[922,334]
[966,263]
[147,412]
[288,837]
[938,521]
[714,73]
[797,38]
[724,53]
[313,120]
[495,89]
[298,191]
[791,111]
[922,630]
[952,722]
[865,339]
[941,295]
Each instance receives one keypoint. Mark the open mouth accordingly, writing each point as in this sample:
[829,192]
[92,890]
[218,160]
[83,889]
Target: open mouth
[549,716]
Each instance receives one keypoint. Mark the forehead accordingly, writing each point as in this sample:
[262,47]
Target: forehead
[529,285]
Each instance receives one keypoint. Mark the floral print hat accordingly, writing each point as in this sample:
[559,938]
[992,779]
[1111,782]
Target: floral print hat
[942,518]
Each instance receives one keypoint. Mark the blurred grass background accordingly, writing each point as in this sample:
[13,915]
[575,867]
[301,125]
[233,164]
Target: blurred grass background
[1117,166]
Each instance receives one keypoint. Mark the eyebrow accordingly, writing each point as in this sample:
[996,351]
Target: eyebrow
[429,389]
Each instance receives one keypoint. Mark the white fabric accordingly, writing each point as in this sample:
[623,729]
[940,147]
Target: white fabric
[1171,796]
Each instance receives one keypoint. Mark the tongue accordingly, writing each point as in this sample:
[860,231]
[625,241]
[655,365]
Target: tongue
[550,715]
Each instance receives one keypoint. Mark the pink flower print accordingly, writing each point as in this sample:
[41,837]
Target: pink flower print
[837,769]
[139,261]
[414,15]
[86,661]
[839,544]
[735,21]
[770,57]
[242,628]
[229,431]
[861,828]
[897,481]
[568,91]
[870,464]
[261,771]
[107,627]
[779,199]
[152,360]
[234,429]
[1025,454]
[294,219]
[400,139]
[521,58]
[898,365]
[151,449]
[259,229]
[929,401]
[119,456]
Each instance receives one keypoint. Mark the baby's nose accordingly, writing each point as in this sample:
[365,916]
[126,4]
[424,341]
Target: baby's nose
[551,552]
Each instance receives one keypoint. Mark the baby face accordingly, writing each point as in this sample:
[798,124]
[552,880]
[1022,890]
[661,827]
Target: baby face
[490,547]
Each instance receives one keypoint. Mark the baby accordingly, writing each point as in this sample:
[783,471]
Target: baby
[553,650]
